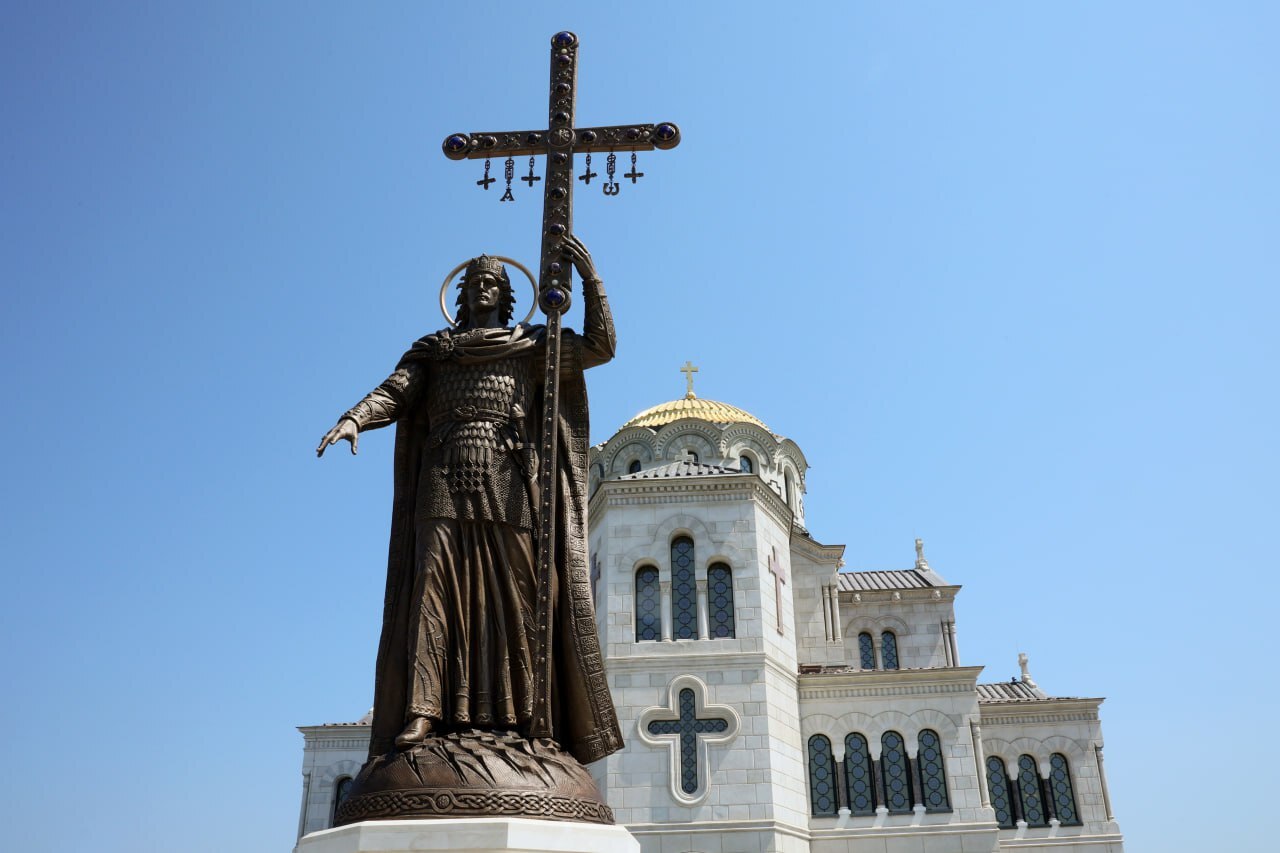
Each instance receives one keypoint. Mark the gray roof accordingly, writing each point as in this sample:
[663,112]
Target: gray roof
[680,468]
[1011,691]
[893,579]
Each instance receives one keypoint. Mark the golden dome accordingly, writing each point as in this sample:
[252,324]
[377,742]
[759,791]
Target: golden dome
[691,407]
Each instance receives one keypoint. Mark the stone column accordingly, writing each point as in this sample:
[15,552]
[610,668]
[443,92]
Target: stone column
[955,652]
[666,611]
[835,613]
[826,614]
[306,796]
[917,783]
[704,617]
[1102,779]
[984,791]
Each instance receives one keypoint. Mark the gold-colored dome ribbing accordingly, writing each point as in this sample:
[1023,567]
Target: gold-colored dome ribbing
[693,407]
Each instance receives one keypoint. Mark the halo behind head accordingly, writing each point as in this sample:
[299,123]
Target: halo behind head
[492,264]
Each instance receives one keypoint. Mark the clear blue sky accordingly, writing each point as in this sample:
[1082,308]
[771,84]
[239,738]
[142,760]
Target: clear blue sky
[1006,272]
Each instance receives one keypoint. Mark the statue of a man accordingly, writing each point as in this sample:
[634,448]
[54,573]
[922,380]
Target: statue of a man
[459,621]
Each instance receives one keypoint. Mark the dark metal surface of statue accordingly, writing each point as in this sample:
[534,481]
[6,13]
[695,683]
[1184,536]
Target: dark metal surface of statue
[490,692]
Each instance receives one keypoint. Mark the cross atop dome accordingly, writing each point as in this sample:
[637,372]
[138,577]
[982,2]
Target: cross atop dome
[688,370]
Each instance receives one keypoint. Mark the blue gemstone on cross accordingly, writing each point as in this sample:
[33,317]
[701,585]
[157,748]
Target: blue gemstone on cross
[563,38]
[456,142]
[687,727]
[554,297]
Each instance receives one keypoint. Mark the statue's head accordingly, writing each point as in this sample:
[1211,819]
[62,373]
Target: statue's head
[485,286]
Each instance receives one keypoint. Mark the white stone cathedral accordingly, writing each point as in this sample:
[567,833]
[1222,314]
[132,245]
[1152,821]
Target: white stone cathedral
[771,701]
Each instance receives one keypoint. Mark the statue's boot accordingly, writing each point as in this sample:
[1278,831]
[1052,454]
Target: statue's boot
[414,733]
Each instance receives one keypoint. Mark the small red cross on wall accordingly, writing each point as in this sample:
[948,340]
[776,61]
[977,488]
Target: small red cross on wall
[779,573]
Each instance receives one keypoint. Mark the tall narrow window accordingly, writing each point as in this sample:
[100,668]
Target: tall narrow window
[897,774]
[341,788]
[1029,792]
[933,773]
[634,467]
[866,651]
[858,784]
[684,590]
[720,600]
[822,777]
[998,788]
[648,606]
[744,464]
[789,490]
[889,650]
[1064,797]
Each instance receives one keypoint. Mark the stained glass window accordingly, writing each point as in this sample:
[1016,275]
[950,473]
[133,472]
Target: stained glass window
[858,780]
[341,788]
[688,727]
[648,605]
[744,464]
[866,651]
[889,650]
[998,788]
[822,776]
[634,467]
[933,774]
[897,775]
[1064,798]
[684,590]
[720,600]
[1029,792]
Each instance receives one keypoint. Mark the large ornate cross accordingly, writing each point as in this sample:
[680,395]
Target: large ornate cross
[686,727]
[779,573]
[558,141]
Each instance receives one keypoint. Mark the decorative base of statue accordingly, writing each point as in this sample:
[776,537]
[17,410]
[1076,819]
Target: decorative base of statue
[474,835]
[475,774]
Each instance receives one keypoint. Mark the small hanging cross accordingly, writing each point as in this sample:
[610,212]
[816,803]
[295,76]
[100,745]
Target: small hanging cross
[586,176]
[508,172]
[633,174]
[530,178]
[486,180]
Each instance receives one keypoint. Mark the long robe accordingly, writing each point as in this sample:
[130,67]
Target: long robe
[480,576]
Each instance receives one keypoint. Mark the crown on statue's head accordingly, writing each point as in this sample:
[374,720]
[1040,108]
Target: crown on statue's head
[486,264]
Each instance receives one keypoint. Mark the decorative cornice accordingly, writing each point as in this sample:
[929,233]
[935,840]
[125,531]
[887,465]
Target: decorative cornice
[693,661]
[877,683]
[1038,711]
[816,551]
[855,597]
[705,489]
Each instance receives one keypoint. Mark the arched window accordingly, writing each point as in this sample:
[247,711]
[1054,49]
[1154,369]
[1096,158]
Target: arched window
[858,785]
[822,777]
[634,467]
[866,651]
[788,490]
[998,788]
[648,607]
[933,773]
[1029,792]
[341,787]
[684,590]
[692,454]
[720,600]
[889,650]
[1064,798]
[896,773]
[744,464]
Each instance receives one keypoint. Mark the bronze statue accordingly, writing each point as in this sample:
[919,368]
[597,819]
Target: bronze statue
[456,660]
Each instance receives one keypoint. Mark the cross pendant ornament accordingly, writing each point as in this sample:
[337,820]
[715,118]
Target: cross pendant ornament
[558,142]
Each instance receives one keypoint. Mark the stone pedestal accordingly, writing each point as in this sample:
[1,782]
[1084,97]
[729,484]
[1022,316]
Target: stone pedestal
[471,835]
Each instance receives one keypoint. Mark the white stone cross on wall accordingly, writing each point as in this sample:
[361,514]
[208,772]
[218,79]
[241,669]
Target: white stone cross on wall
[779,573]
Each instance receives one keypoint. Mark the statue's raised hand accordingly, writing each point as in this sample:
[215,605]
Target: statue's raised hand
[345,428]
[577,252]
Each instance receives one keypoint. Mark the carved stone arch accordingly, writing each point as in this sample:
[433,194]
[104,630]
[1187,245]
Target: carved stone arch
[639,447]
[750,437]
[706,435]
[790,450]
[894,721]
[876,625]
[1077,752]
[856,721]
[729,553]
[695,528]
[1002,749]
[642,436]
[930,718]
[820,724]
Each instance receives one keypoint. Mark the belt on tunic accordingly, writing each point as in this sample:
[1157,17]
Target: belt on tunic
[468,413]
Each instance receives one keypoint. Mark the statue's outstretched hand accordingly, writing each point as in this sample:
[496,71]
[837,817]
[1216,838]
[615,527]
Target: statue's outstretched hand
[577,252]
[345,428]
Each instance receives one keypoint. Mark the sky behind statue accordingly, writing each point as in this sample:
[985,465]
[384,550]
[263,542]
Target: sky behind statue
[1007,274]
